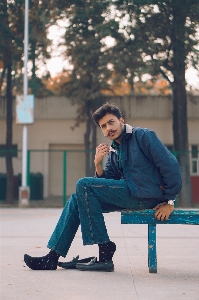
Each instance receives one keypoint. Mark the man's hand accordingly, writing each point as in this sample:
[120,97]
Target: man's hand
[163,211]
[101,151]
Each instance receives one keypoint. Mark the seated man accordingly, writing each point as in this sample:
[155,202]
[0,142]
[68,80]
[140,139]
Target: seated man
[140,173]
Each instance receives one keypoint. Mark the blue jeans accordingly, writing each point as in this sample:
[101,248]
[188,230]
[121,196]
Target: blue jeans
[93,197]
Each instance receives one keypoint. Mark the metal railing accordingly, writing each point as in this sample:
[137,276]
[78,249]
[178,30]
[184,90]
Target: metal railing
[35,164]
[40,161]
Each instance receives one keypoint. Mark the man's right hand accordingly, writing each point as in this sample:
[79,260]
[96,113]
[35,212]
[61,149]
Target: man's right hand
[163,211]
[101,151]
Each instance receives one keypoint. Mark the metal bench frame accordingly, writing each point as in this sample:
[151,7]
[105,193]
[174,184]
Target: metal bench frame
[178,216]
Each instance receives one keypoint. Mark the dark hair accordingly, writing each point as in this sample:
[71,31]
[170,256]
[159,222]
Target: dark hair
[105,109]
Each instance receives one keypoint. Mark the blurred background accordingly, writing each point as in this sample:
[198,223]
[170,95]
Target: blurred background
[141,55]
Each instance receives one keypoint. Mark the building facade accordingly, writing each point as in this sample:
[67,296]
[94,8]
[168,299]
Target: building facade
[51,137]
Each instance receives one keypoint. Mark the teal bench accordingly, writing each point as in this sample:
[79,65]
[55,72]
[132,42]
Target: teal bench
[178,216]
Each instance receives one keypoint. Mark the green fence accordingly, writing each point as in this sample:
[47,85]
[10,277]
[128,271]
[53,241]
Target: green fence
[59,168]
[55,172]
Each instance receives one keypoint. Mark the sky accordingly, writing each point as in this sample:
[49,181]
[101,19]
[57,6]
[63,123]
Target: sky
[56,64]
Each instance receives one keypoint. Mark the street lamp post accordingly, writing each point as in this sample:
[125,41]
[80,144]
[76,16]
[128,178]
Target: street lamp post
[25,93]
[24,191]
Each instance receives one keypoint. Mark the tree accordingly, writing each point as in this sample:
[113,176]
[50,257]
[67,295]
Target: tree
[167,35]
[56,85]
[11,54]
[42,15]
[7,53]
[155,86]
[89,57]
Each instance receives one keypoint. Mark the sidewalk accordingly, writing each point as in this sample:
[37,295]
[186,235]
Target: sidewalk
[49,202]
[28,230]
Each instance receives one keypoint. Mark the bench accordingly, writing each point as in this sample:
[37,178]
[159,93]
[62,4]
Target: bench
[178,216]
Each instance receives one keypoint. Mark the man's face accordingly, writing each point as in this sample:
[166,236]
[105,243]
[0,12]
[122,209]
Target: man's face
[111,127]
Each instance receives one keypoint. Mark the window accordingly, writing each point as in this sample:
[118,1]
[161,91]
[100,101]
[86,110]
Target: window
[194,160]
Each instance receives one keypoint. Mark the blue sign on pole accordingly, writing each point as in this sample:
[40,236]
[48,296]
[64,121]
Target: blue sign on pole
[25,109]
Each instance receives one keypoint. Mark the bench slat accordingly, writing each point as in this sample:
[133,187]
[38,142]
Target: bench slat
[178,216]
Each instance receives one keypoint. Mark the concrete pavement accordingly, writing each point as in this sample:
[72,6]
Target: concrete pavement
[27,231]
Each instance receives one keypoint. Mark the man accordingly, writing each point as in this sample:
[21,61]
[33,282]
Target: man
[140,173]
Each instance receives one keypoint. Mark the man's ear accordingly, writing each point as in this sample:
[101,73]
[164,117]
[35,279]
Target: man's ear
[121,120]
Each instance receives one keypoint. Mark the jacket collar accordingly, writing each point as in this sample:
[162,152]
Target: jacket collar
[126,136]
[129,128]
[128,133]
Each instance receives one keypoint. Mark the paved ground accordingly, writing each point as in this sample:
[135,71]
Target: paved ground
[27,231]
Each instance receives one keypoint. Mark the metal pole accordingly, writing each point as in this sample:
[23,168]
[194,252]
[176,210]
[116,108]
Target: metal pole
[24,191]
[25,93]
[24,156]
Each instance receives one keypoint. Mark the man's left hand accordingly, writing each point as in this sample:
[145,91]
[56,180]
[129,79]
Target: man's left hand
[163,211]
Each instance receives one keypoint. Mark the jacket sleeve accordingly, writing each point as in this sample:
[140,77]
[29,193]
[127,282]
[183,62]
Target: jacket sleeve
[163,159]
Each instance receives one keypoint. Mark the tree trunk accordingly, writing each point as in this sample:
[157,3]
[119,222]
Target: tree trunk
[90,140]
[33,83]
[93,146]
[180,132]
[180,125]
[9,167]
[87,138]
[2,78]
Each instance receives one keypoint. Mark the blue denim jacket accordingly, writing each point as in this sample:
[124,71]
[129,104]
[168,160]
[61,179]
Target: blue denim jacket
[149,168]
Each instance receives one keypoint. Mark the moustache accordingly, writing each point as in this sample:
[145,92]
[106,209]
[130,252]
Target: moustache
[112,131]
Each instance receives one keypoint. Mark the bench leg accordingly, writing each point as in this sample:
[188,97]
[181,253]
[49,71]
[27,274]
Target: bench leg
[152,257]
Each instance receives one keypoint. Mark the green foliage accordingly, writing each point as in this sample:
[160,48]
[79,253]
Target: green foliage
[146,36]
[150,36]
[84,49]
[161,28]
[42,14]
